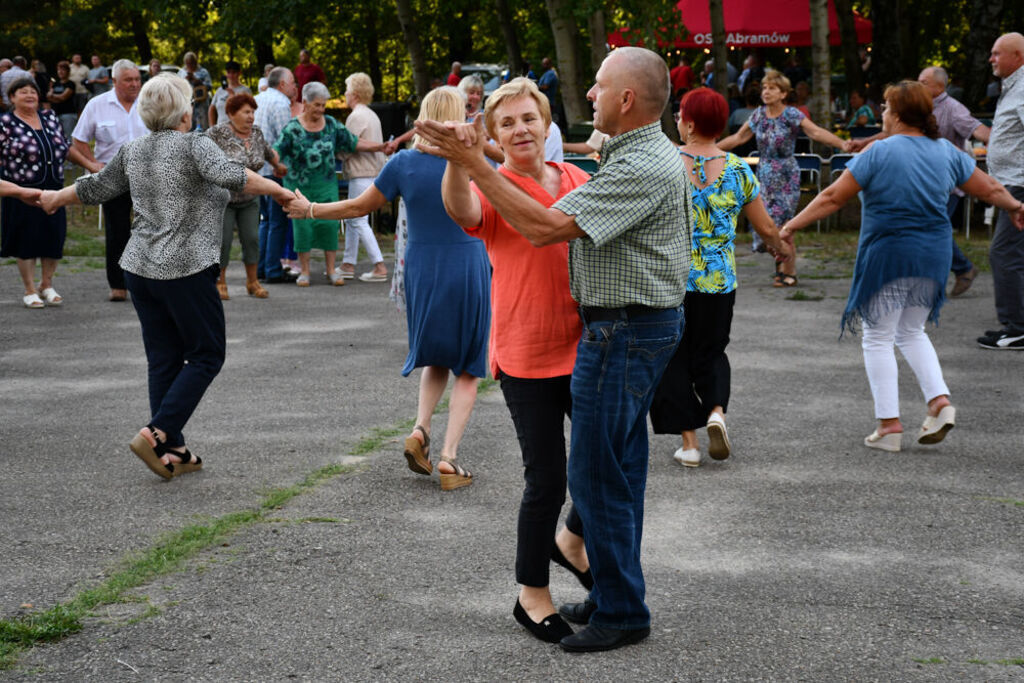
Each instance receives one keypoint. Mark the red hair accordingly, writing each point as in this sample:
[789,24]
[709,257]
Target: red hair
[706,109]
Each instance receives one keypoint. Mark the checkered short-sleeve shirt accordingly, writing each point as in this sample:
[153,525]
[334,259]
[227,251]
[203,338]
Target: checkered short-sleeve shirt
[636,214]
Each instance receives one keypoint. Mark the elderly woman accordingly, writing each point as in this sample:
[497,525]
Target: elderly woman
[244,143]
[776,126]
[447,283]
[904,252]
[862,114]
[473,89]
[179,183]
[694,391]
[360,169]
[308,146]
[534,331]
[32,152]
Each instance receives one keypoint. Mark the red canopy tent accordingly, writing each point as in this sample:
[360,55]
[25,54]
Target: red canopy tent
[754,23]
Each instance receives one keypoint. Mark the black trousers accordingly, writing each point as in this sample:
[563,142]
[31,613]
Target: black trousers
[117,219]
[538,408]
[698,376]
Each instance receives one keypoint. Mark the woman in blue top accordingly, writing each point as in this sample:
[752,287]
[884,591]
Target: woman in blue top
[447,289]
[694,391]
[904,252]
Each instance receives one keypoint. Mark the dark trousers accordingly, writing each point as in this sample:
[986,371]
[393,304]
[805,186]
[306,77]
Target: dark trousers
[274,230]
[117,219]
[698,376]
[538,408]
[1006,255]
[961,264]
[618,366]
[183,332]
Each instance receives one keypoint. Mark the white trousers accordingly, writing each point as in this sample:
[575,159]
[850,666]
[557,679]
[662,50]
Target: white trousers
[905,328]
[357,229]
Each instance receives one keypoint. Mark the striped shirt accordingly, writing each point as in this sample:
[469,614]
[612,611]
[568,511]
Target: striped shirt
[636,214]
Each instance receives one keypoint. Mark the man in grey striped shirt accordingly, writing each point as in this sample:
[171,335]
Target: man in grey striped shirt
[629,258]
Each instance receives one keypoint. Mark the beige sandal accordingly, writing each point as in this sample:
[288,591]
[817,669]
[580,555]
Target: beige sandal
[454,480]
[418,454]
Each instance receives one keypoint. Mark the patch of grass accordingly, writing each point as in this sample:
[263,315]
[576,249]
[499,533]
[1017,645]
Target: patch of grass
[977,661]
[1016,661]
[319,520]
[1005,501]
[930,660]
[801,295]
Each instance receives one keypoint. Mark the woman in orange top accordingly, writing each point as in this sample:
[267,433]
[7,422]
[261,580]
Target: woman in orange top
[535,328]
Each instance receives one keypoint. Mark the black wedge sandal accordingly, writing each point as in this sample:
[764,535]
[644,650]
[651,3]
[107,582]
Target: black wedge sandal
[149,449]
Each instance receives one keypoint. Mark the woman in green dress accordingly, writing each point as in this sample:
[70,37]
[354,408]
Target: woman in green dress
[308,146]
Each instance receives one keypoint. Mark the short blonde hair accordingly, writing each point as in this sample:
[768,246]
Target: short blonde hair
[360,85]
[513,90]
[773,77]
[163,100]
[442,104]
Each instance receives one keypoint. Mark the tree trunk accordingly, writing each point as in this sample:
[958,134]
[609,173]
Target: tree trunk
[264,55]
[508,33]
[141,37]
[820,68]
[563,27]
[851,60]
[420,74]
[984,23]
[373,52]
[887,53]
[598,39]
[719,51]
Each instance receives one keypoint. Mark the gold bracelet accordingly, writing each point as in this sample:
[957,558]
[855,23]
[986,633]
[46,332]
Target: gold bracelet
[311,205]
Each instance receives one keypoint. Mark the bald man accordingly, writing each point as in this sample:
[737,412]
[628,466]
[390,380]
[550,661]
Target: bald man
[628,230]
[1006,164]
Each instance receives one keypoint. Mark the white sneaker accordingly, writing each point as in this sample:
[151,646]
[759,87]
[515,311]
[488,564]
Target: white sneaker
[718,438]
[687,458]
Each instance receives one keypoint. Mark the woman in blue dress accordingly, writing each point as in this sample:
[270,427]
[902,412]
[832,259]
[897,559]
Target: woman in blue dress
[694,391]
[447,289]
[776,127]
[904,252]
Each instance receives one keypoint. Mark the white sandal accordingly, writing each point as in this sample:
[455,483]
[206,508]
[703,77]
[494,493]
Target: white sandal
[52,297]
[884,442]
[935,428]
[32,301]
[302,281]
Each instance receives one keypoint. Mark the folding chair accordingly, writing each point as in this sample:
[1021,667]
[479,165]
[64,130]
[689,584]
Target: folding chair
[837,164]
[810,169]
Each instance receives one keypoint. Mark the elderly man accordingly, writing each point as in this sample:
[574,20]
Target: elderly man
[79,74]
[455,77]
[112,119]
[629,256]
[273,112]
[232,72]
[307,72]
[98,81]
[1006,164]
[202,86]
[17,68]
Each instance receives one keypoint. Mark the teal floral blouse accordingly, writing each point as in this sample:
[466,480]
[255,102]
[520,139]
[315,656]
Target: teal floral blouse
[715,209]
[310,156]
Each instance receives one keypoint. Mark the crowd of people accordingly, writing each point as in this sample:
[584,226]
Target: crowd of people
[603,298]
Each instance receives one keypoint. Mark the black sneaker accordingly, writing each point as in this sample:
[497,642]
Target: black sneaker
[1002,339]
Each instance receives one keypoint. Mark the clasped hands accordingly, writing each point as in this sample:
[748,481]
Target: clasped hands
[459,143]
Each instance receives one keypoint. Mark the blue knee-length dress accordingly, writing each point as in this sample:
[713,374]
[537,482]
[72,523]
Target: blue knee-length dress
[447,274]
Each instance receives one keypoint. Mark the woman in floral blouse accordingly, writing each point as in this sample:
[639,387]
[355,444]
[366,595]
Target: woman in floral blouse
[243,142]
[308,146]
[694,390]
[32,153]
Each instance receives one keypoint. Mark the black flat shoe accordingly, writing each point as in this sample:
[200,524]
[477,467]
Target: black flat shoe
[585,577]
[578,612]
[551,630]
[283,278]
[599,638]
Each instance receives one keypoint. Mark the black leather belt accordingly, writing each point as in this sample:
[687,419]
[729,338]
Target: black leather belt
[598,314]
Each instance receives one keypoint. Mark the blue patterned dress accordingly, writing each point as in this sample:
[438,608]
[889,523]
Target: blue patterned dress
[777,169]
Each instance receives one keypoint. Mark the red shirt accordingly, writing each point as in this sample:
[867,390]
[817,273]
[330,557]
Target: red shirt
[453,78]
[682,78]
[308,73]
[535,326]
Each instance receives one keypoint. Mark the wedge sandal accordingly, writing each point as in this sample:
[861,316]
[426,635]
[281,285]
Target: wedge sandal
[418,454]
[454,480]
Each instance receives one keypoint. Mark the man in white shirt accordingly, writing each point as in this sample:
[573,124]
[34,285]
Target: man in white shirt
[111,119]
[79,74]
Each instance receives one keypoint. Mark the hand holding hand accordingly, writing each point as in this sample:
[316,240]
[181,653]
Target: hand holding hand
[854,146]
[459,143]
[49,201]
[298,207]
[284,197]
[30,196]
[390,147]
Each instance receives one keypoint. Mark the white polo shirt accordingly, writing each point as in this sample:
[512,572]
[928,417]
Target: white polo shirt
[106,121]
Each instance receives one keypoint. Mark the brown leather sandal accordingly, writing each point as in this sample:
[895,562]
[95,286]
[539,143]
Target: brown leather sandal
[418,454]
[454,480]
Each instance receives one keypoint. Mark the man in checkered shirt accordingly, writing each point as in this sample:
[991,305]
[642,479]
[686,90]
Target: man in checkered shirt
[629,258]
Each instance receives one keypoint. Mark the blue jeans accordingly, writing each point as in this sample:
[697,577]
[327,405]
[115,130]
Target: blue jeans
[273,233]
[961,264]
[618,366]
[183,332]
